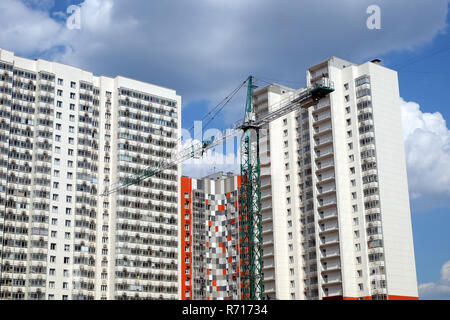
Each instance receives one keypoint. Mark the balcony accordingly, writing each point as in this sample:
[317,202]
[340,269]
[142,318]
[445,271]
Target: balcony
[326,269]
[322,142]
[322,132]
[324,244]
[327,192]
[326,205]
[321,181]
[329,216]
[324,167]
[331,282]
[325,256]
[322,118]
[329,229]
[323,155]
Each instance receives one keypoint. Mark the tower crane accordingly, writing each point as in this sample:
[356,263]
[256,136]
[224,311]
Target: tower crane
[250,190]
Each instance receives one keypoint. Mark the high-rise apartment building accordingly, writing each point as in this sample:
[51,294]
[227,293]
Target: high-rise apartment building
[210,238]
[66,136]
[335,204]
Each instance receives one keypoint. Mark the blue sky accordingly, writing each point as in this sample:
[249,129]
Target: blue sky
[204,49]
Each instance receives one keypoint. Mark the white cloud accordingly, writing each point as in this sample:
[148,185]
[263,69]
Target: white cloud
[205,48]
[439,290]
[28,30]
[427,148]
[224,157]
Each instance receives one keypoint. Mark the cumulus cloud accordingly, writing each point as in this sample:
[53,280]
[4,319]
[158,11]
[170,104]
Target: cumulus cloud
[439,290]
[28,29]
[204,48]
[223,157]
[427,148]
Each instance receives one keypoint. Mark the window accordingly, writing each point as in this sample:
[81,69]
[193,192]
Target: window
[350,146]
[352,170]
[71,129]
[57,161]
[66,260]
[349,121]
[52,259]
[54,221]
[349,134]
[347,109]
[58,127]
[59,92]
[362,80]
[72,118]
[53,246]
[347,98]
[72,95]
[68,199]
[65,285]
[68,210]
[73,85]
[355,208]
[67,247]
[346,86]
[57,138]
[70,163]
[72,106]
[58,115]
[60,82]
[59,104]
[51,272]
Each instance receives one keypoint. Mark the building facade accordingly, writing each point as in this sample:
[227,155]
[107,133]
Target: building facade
[65,137]
[335,204]
[210,238]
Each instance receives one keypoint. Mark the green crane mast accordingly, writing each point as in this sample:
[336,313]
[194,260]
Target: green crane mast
[250,213]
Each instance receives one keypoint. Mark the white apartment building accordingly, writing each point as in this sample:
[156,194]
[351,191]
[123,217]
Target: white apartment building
[65,136]
[335,204]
